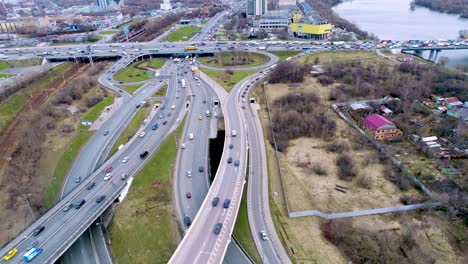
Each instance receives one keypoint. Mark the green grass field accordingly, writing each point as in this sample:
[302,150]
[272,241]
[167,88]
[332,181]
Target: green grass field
[235,60]
[64,164]
[144,229]
[342,56]
[183,33]
[162,91]
[25,63]
[131,74]
[136,72]
[15,102]
[131,129]
[131,88]
[284,54]
[94,112]
[155,63]
[4,65]
[227,81]
[242,230]
[107,32]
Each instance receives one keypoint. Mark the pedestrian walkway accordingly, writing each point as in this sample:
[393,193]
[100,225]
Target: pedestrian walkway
[364,212]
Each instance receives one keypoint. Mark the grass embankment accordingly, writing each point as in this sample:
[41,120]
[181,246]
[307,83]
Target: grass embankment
[138,72]
[94,112]
[162,91]
[131,88]
[64,164]
[329,56]
[242,230]
[131,129]
[235,59]
[284,54]
[144,229]
[183,33]
[107,32]
[72,150]
[25,63]
[14,103]
[3,66]
[227,79]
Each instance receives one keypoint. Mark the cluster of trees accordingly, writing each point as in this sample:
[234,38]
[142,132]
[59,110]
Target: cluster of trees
[407,81]
[152,28]
[300,115]
[289,72]
[447,6]
[324,9]
[364,245]
[23,168]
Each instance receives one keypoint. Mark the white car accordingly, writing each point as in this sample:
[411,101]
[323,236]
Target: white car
[125,159]
[263,235]
[189,174]
[108,176]
[142,134]
[184,145]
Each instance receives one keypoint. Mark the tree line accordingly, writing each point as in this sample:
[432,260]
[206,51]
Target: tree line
[447,6]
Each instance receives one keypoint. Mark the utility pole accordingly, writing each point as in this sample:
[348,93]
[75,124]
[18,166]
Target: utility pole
[28,203]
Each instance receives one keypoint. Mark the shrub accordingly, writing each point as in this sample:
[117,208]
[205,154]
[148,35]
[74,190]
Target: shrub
[365,181]
[345,165]
[67,128]
[338,146]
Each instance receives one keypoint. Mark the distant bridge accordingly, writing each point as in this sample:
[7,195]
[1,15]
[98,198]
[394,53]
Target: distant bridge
[434,50]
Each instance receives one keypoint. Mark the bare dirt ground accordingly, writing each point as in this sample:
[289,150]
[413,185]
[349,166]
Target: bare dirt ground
[306,190]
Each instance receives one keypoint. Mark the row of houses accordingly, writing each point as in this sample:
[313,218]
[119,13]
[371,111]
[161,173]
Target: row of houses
[453,107]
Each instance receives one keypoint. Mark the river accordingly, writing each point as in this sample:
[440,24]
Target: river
[393,19]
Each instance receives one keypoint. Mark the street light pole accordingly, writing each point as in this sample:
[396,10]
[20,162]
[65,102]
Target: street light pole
[28,202]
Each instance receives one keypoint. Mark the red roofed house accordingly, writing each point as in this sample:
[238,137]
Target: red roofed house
[452,101]
[380,128]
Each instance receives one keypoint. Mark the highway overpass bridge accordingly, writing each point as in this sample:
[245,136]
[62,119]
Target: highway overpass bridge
[433,51]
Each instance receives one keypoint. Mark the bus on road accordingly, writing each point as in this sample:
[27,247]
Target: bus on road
[187,48]
[31,254]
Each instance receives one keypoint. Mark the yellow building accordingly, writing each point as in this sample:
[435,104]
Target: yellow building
[312,31]
[318,30]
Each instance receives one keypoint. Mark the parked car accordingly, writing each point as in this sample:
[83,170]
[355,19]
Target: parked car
[90,186]
[100,199]
[67,207]
[108,176]
[217,228]
[215,201]
[187,221]
[38,230]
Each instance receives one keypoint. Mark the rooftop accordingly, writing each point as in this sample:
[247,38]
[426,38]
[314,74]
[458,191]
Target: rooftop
[376,122]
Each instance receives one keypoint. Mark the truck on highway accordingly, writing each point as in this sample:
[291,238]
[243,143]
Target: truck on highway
[188,48]
[31,254]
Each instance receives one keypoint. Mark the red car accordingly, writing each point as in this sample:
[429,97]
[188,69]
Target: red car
[189,195]
[108,169]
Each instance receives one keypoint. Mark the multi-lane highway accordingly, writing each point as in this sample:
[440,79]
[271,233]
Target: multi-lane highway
[201,243]
[62,228]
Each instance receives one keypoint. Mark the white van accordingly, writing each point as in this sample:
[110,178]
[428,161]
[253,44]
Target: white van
[233,133]
[190,136]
